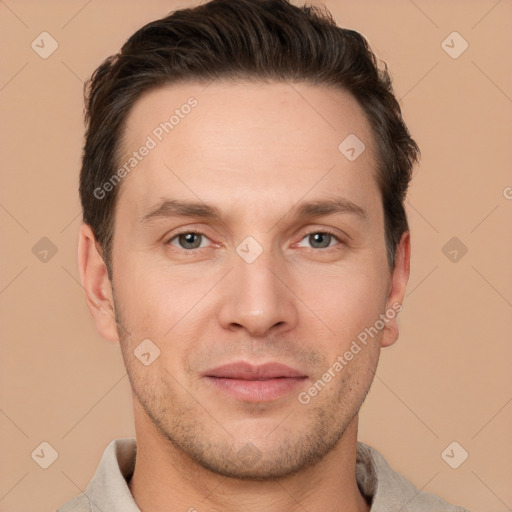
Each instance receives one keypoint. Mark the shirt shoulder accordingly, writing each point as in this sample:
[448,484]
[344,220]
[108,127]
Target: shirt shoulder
[80,503]
[389,491]
[108,489]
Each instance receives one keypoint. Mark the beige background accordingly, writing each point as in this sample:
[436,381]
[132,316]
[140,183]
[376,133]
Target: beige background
[447,379]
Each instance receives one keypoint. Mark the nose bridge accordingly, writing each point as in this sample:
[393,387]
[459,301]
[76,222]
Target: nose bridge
[257,299]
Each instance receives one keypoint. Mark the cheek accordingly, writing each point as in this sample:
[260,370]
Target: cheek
[346,302]
[148,299]
[165,303]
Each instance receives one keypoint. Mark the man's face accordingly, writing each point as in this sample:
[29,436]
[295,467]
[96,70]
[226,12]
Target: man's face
[264,282]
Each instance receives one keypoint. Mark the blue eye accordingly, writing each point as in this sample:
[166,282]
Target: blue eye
[188,240]
[321,239]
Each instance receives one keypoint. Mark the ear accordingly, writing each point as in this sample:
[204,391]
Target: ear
[96,283]
[396,291]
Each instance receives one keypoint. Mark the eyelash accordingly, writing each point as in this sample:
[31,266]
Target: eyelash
[324,231]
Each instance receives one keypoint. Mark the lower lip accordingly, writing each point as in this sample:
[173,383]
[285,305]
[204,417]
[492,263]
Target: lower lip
[256,390]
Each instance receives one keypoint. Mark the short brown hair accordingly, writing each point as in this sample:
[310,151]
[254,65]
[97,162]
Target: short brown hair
[267,40]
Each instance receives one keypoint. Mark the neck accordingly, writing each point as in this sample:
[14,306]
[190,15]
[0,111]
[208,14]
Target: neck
[166,479]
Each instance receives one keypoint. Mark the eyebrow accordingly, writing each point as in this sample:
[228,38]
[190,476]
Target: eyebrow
[329,207]
[179,208]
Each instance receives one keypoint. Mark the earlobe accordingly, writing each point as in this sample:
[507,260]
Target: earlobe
[397,287]
[96,284]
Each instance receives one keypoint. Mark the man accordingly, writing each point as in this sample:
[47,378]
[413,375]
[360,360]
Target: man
[245,241]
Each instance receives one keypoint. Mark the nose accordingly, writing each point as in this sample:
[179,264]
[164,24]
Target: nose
[257,297]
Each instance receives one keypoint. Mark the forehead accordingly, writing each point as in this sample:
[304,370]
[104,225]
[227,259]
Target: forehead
[251,137]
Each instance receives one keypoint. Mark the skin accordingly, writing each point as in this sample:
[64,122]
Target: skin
[254,151]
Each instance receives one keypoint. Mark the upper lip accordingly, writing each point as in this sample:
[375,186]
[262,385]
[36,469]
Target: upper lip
[247,371]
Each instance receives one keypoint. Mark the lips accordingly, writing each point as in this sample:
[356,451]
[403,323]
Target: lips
[254,383]
[246,371]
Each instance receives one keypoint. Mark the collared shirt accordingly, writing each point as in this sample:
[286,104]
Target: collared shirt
[384,488]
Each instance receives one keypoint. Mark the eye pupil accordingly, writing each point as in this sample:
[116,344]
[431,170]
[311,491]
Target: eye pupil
[323,239]
[190,240]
